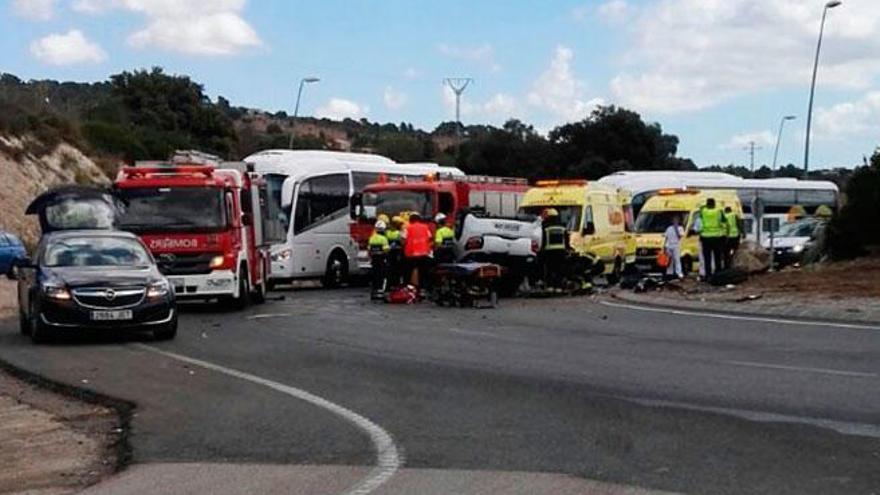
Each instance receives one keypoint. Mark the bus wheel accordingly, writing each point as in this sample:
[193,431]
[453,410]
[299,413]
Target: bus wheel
[337,271]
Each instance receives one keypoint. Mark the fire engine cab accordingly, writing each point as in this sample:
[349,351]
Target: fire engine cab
[203,220]
[497,196]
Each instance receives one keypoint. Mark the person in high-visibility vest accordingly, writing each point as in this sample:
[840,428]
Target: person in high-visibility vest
[713,233]
[379,248]
[394,235]
[554,247]
[444,241]
[417,249]
[734,234]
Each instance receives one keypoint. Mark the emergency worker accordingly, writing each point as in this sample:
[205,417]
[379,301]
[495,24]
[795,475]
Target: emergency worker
[444,241]
[713,236]
[394,235]
[379,248]
[734,234]
[417,250]
[554,248]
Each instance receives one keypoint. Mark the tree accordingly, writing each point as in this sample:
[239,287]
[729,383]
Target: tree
[853,229]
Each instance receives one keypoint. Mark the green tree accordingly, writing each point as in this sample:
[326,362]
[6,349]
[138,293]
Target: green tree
[854,229]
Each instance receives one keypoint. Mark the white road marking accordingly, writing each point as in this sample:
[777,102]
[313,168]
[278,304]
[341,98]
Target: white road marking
[265,315]
[723,316]
[389,459]
[860,374]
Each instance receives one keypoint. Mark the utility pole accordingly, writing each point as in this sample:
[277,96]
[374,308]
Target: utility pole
[779,138]
[302,82]
[458,85]
[751,149]
[829,5]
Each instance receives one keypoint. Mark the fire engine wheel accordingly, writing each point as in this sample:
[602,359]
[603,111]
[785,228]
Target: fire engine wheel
[259,294]
[244,290]
[337,271]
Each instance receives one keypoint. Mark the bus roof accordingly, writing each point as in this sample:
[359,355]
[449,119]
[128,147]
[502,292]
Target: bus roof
[309,162]
[647,181]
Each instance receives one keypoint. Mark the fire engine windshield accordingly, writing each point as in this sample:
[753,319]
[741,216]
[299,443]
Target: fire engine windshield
[395,202]
[173,209]
[656,222]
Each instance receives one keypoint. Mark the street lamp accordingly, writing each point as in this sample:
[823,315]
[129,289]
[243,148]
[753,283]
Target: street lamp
[830,5]
[779,138]
[302,82]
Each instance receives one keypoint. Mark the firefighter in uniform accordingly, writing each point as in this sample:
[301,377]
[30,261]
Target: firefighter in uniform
[734,233]
[713,236]
[379,248]
[554,248]
[444,241]
[394,235]
[417,250]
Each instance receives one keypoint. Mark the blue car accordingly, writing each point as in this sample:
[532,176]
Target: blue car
[11,250]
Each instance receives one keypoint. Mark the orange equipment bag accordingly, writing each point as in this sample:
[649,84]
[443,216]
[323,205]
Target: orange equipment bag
[662,259]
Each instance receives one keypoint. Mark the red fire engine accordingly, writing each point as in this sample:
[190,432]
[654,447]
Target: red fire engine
[499,196]
[203,221]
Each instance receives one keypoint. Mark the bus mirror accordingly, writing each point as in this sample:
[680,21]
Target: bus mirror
[287,193]
[355,206]
[369,212]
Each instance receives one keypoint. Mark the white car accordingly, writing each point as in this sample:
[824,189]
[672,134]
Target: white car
[792,240]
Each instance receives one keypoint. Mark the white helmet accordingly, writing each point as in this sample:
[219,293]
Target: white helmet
[440,218]
[380,226]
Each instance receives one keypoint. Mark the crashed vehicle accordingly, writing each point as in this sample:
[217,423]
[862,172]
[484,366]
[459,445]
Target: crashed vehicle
[85,274]
[794,242]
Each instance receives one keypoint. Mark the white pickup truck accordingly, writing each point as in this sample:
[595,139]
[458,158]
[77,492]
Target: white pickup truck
[513,243]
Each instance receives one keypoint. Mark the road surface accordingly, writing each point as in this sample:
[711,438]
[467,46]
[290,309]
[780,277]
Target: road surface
[569,395]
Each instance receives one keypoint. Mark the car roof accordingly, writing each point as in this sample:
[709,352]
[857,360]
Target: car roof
[68,234]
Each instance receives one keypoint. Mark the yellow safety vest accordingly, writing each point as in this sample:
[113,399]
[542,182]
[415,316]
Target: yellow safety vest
[712,221]
[732,225]
[444,237]
[378,244]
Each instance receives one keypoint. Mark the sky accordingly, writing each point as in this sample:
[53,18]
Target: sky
[717,73]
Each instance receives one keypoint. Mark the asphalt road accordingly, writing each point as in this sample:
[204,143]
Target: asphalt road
[569,386]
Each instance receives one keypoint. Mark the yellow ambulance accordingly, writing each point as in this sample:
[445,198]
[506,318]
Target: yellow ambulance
[598,218]
[657,214]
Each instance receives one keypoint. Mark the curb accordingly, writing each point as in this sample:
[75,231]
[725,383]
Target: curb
[714,307]
[124,409]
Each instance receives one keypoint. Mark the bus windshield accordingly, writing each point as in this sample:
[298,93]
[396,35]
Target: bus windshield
[656,222]
[395,202]
[173,209]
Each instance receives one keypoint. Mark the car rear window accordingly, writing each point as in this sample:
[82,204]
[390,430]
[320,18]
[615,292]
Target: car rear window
[96,251]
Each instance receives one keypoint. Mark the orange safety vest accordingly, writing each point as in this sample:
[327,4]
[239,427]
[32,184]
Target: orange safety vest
[418,240]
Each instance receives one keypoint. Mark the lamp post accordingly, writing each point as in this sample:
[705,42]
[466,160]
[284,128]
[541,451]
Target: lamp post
[779,138]
[299,93]
[829,5]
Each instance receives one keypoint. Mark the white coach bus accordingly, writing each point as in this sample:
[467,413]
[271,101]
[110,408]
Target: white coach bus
[309,195]
[777,195]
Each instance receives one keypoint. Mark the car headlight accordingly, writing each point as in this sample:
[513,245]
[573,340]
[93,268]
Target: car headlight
[797,248]
[56,292]
[216,262]
[282,255]
[158,289]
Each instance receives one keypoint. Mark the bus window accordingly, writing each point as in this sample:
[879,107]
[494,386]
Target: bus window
[770,224]
[320,199]
[749,225]
[363,179]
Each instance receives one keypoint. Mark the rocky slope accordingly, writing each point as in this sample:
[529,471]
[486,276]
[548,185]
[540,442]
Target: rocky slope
[27,169]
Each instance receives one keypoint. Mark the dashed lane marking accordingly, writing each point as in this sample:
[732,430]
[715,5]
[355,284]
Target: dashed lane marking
[723,316]
[389,459]
[266,315]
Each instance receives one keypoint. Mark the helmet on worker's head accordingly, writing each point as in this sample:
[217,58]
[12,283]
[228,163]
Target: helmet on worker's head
[383,218]
[414,215]
[550,213]
[440,218]
[397,221]
[381,226]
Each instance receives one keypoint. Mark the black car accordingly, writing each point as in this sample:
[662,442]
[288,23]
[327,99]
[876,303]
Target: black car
[93,279]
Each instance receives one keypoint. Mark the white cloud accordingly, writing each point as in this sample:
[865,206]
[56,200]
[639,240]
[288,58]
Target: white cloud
[559,92]
[615,11]
[394,100]
[719,50]
[67,49]
[498,106]
[35,10]
[340,108]
[501,105]
[207,27]
[760,138]
[858,118]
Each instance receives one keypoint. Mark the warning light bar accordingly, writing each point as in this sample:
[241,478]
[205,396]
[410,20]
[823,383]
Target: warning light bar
[683,190]
[561,182]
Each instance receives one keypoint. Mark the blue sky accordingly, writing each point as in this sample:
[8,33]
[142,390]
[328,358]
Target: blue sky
[717,74]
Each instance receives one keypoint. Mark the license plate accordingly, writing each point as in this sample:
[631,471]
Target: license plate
[123,314]
[177,283]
